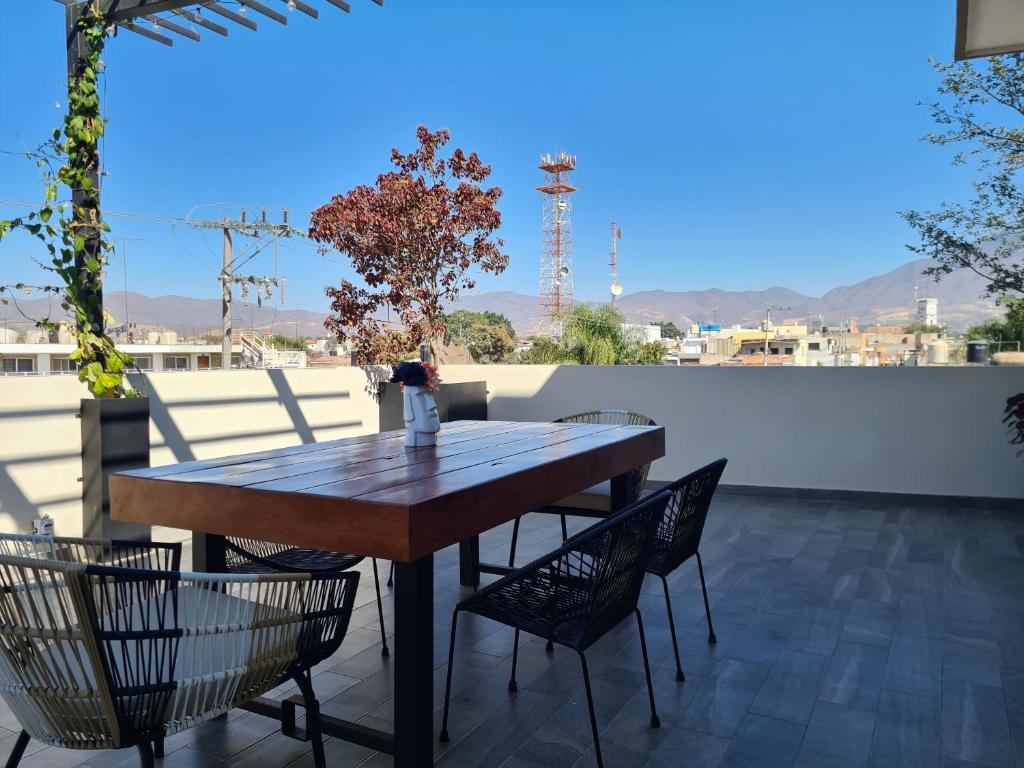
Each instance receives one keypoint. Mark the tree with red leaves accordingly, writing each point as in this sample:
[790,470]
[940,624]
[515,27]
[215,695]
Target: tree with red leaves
[414,239]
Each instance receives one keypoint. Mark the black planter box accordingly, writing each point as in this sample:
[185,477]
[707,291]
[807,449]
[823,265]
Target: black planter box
[115,437]
[455,402]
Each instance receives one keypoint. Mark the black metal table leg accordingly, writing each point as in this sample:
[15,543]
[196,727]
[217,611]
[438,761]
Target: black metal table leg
[623,492]
[469,562]
[414,663]
[208,553]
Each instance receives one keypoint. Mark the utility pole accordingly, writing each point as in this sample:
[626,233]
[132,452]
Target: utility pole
[768,329]
[227,277]
[225,302]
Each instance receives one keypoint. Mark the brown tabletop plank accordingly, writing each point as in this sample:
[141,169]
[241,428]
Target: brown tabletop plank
[428,467]
[340,459]
[456,505]
[429,461]
[404,512]
[272,454]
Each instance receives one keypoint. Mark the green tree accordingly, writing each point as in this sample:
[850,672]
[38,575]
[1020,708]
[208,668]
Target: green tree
[279,341]
[545,352]
[923,328]
[596,336]
[669,329]
[652,353]
[1010,328]
[489,336]
[461,320]
[980,110]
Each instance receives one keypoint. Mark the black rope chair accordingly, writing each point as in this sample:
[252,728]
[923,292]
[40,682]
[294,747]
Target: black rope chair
[99,656]
[258,556]
[595,501]
[574,595]
[679,535]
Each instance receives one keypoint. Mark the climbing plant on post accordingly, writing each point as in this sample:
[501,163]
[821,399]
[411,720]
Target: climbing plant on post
[73,231]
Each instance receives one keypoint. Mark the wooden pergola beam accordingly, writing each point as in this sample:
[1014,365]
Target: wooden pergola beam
[195,18]
[126,10]
[227,13]
[172,27]
[259,7]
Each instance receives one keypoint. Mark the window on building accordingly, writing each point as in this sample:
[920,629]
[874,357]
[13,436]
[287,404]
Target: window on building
[19,365]
[175,362]
[814,346]
[63,365]
[789,350]
[143,362]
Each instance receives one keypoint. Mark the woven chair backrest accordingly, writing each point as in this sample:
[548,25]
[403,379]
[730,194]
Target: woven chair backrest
[638,476]
[687,512]
[620,547]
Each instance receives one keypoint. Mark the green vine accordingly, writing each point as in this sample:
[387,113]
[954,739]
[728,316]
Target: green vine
[74,231]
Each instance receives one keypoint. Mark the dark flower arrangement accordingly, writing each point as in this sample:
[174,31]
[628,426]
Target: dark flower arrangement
[415,374]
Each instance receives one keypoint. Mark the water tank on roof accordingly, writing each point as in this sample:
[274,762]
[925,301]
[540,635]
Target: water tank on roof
[169,337]
[8,336]
[36,336]
[938,353]
[153,337]
[977,352]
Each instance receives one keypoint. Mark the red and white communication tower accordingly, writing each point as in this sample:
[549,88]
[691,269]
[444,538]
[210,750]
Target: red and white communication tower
[556,237]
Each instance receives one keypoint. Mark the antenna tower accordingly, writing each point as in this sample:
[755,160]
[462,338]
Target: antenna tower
[613,261]
[556,236]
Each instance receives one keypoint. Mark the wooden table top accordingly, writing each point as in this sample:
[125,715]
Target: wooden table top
[371,495]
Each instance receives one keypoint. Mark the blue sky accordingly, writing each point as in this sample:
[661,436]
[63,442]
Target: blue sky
[739,144]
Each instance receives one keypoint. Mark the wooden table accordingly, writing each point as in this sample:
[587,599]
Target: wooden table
[370,495]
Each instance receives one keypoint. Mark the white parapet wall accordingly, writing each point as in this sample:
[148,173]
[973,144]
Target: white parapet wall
[194,415]
[933,431]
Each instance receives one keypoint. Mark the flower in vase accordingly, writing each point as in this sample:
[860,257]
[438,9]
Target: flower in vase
[416,374]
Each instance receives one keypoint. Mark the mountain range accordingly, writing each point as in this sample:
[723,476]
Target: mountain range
[885,298]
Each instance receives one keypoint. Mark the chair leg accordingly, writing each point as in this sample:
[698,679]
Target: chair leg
[512,686]
[672,628]
[312,707]
[707,605]
[655,722]
[158,747]
[512,548]
[391,574]
[19,749]
[380,612]
[443,736]
[590,706]
[145,754]
[565,529]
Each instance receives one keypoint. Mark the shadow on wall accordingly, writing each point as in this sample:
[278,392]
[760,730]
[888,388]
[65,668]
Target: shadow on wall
[189,412]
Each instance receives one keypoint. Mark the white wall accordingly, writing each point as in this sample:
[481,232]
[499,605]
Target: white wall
[193,416]
[896,430]
[899,430]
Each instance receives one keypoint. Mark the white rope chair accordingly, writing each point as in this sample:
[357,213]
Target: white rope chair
[97,656]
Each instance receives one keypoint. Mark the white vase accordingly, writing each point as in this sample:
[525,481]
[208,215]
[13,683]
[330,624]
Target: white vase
[420,413]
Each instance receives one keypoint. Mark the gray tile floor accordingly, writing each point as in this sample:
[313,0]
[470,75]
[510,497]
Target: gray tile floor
[848,635]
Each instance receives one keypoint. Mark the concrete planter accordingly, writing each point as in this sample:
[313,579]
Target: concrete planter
[115,437]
